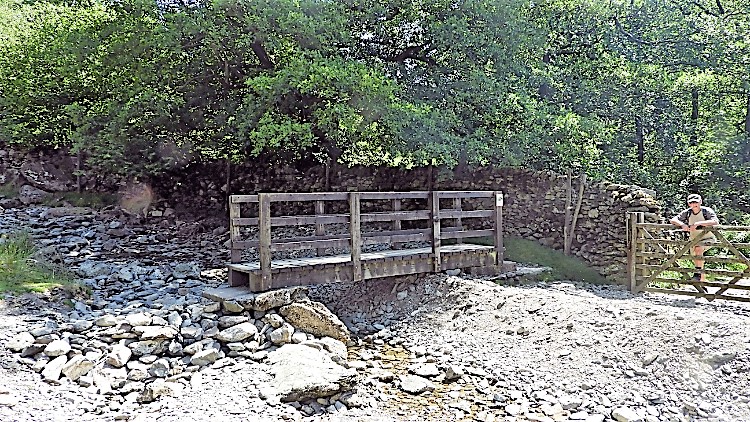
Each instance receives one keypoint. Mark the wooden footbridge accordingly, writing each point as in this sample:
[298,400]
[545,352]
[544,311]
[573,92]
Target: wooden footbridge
[290,239]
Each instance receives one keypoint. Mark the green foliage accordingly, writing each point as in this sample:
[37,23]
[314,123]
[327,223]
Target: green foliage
[19,272]
[83,199]
[653,93]
[8,190]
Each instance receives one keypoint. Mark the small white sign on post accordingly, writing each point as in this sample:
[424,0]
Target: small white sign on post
[499,199]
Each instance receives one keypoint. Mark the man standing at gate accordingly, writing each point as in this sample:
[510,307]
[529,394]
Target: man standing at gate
[693,220]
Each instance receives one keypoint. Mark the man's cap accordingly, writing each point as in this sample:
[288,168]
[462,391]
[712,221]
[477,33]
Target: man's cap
[694,197]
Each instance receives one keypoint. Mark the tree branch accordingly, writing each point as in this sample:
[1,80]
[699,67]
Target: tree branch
[260,52]
[412,52]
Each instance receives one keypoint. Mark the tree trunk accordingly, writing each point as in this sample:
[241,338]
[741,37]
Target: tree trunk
[747,116]
[228,184]
[694,117]
[639,139]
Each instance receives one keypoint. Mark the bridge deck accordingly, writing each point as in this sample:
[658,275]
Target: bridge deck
[337,268]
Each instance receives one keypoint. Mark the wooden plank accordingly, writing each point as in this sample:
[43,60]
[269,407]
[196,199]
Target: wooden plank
[467,233]
[394,216]
[723,273]
[320,228]
[718,259]
[234,232]
[393,195]
[264,249]
[498,226]
[238,199]
[318,244]
[464,194]
[245,244]
[308,196]
[296,220]
[447,213]
[435,241]
[696,294]
[671,227]
[716,284]
[356,235]
[657,241]
[420,236]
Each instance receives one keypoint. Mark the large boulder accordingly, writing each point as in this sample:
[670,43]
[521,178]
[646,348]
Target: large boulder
[316,319]
[301,372]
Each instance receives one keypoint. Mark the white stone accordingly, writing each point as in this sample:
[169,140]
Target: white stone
[119,356]
[77,367]
[57,348]
[237,333]
[20,341]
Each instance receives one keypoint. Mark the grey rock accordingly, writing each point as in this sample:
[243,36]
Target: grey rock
[119,356]
[53,369]
[282,335]
[20,341]
[155,390]
[302,372]
[57,348]
[77,367]
[625,414]
[276,298]
[204,357]
[415,384]
[237,333]
[316,319]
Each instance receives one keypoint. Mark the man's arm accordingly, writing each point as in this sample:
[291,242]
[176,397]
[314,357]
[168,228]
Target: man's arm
[680,220]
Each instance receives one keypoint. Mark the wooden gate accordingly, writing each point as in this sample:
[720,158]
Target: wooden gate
[660,260]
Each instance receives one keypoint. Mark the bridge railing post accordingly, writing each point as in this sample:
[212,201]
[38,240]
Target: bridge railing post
[499,247]
[264,239]
[356,235]
[234,230]
[435,221]
[397,221]
[320,229]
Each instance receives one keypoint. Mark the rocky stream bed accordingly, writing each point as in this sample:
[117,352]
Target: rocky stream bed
[155,341]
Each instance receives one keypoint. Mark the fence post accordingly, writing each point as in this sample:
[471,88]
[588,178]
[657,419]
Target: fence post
[435,219]
[499,247]
[264,237]
[356,235]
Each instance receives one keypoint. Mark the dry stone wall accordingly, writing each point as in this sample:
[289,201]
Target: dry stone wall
[534,205]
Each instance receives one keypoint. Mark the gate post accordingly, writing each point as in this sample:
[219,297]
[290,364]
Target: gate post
[632,219]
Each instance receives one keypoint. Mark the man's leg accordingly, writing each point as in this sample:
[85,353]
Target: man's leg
[698,251]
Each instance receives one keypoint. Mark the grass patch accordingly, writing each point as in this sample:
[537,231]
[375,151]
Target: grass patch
[563,267]
[8,190]
[83,199]
[20,273]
